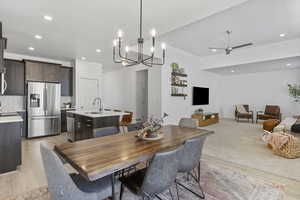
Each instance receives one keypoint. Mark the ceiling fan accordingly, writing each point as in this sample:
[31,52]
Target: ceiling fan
[230,48]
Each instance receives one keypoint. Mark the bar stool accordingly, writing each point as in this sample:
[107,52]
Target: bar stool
[126,120]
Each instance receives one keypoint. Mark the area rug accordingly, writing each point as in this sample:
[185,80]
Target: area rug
[218,184]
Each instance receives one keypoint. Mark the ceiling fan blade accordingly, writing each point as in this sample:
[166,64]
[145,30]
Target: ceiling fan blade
[216,48]
[243,45]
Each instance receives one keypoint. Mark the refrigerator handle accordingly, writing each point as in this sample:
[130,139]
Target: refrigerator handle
[45,100]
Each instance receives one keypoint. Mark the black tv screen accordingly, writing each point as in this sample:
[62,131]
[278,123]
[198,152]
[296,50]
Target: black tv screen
[200,96]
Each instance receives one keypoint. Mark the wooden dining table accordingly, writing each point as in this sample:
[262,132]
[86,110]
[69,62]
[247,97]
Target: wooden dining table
[99,157]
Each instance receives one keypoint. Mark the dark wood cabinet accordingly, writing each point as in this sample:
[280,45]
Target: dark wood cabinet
[39,71]
[66,79]
[51,72]
[23,114]
[10,146]
[85,126]
[14,76]
[64,127]
[33,71]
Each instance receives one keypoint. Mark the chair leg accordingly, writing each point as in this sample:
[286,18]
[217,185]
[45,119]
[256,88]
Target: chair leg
[197,179]
[171,195]
[201,196]
[122,191]
[177,191]
[158,197]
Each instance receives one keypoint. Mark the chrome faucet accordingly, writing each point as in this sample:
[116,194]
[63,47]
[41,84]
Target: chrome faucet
[98,99]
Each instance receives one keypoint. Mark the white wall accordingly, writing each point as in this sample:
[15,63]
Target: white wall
[87,70]
[120,89]
[177,107]
[258,90]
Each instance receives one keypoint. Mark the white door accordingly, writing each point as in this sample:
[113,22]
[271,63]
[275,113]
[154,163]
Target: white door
[88,91]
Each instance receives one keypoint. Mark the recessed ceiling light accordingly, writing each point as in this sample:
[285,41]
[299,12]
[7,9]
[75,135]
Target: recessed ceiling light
[214,50]
[282,35]
[289,64]
[38,37]
[31,48]
[83,58]
[48,18]
[98,50]
[232,71]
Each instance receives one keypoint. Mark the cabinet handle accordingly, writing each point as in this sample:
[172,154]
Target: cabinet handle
[88,125]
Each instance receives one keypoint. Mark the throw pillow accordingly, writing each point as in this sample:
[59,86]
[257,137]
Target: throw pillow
[241,109]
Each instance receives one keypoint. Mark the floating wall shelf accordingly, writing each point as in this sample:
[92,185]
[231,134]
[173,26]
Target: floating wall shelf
[178,85]
[179,74]
[178,81]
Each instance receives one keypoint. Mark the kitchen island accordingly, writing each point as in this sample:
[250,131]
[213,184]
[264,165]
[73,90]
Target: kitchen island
[83,124]
[10,142]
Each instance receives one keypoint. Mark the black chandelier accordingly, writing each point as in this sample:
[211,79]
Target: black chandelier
[118,57]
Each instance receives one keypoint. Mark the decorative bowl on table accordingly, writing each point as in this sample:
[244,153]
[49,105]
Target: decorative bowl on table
[150,130]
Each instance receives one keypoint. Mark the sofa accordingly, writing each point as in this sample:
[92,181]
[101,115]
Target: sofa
[286,125]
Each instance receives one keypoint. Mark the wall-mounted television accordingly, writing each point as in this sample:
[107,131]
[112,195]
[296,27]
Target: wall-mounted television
[200,96]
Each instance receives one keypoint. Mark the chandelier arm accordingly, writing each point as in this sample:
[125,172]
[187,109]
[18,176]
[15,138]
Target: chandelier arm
[124,58]
[146,59]
[131,64]
[158,64]
[147,64]
[114,56]
[152,63]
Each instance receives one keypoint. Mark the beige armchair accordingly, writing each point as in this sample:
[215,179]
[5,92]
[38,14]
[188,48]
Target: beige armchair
[243,113]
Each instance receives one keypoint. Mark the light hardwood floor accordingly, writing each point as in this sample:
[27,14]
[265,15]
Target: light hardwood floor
[234,145]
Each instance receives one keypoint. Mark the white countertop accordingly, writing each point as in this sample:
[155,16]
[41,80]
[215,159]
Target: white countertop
[103,114]
[72,108]
[10,119]
[12,110]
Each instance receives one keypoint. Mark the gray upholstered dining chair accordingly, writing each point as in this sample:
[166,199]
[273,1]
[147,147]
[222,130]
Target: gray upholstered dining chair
[134,126]
[106,131]
[188,123]
[63,186]
[158,177]
[189,160]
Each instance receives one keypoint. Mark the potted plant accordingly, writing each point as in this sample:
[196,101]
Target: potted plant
[294,91]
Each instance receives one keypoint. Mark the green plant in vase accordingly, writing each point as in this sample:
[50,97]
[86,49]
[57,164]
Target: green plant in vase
[294,91]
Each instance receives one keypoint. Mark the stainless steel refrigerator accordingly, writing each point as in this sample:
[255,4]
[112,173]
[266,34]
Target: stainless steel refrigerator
[43,107]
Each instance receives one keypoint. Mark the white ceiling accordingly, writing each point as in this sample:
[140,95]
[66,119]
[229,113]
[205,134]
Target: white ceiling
[266,66]
[257,21]
[80,27]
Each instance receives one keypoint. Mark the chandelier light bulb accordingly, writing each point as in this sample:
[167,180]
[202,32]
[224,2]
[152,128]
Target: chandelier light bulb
[153,32]
[127,49]
[163,46]
[115,43]
[120,33]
